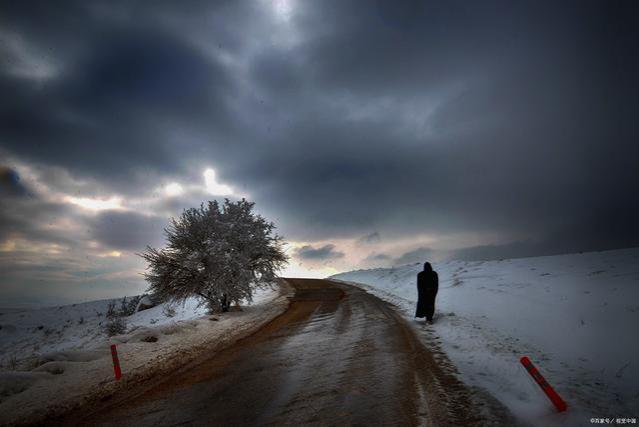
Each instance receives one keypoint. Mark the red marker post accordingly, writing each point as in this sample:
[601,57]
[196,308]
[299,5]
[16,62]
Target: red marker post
[559,403]
[116,362]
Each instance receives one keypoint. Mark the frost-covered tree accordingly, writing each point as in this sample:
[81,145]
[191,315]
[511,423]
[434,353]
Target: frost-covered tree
[217,253]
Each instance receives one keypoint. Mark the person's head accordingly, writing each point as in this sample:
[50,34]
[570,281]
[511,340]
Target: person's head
[427,266]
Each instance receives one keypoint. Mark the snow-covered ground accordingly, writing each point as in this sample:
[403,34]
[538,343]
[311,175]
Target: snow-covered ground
[53,358]
[575,316]
[28,334]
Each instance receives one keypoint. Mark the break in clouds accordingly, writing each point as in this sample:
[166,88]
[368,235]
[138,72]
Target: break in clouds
[371,133]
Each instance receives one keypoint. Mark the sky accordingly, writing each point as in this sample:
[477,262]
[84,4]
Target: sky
[371,133]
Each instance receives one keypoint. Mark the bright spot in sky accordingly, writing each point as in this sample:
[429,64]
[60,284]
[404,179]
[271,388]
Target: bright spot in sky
[8,246]
[215,187]
[283,9]
[96,204]
[295,269]
[173,189]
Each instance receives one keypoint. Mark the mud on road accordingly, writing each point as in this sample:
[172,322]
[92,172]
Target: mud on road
[337,356]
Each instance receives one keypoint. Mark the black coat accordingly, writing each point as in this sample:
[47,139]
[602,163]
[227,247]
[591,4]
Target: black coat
[427,286]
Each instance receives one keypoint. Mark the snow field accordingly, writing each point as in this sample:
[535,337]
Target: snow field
[574,315]
[46,373]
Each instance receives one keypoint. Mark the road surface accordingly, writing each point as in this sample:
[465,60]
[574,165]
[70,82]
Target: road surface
[337,356]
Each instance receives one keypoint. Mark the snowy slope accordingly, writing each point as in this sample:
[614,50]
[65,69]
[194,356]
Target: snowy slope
[55,358]
[25,334]
[574,315]
[30,333]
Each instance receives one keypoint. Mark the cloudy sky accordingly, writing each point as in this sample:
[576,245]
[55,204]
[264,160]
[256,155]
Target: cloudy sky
[372,133]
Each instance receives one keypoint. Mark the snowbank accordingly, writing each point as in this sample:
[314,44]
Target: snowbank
[70,364]
[574,315]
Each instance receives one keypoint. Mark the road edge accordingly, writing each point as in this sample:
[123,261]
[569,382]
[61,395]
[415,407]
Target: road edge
[134,383]
[491,411]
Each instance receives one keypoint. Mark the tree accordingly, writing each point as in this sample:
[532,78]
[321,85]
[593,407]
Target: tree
[217,253]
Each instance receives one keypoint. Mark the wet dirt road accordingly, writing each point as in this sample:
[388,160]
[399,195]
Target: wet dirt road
[337,356]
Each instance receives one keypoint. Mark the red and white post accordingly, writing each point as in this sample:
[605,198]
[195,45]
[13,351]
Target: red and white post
[116,362]
[554,397]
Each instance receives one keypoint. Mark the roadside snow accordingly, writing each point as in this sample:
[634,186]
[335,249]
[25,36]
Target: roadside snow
[26,335]
[56,358]
[574,315]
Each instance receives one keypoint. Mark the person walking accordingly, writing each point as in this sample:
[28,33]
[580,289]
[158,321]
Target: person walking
[427,286]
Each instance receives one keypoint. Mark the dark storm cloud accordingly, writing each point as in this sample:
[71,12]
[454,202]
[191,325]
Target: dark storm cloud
[613,231]
[530,129]
[127,230]
[373,237]
[26,215]
[403,117]
[416,255]
[10,184]
[124,95]
[377,260]
[322,253]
